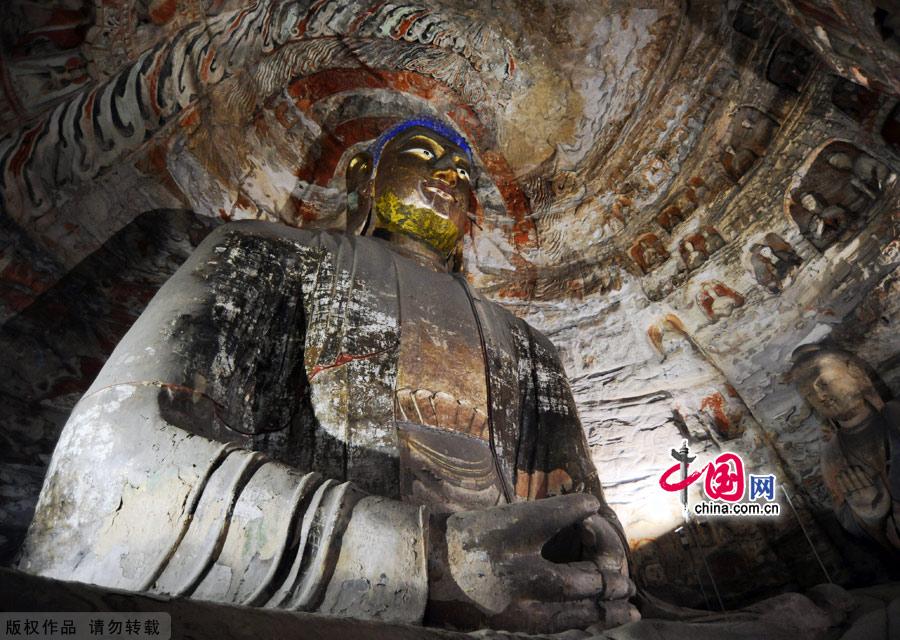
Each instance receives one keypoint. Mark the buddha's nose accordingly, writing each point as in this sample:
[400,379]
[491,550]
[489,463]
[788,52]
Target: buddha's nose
[447,175]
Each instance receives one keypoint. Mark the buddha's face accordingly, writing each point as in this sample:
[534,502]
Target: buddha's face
[421,188]
[838,390]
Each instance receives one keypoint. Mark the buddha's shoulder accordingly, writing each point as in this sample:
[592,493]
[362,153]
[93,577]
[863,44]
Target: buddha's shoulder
[831,455]
[523,330]
[275,233]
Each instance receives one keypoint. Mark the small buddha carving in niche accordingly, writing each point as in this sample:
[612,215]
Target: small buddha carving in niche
[648,252]
[773,261]
[836,195]
[853,99]
[693,251]
[751,133]
[718,300]
[790,65]
[698,247]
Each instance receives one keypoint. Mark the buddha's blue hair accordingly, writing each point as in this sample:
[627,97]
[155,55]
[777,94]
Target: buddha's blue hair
[427,122]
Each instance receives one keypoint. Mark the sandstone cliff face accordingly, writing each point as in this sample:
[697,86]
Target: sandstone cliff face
[653,177]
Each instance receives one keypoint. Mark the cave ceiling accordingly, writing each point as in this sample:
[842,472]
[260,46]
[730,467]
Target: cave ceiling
[636,160]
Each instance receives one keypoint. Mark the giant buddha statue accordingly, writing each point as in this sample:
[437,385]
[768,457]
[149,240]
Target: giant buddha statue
[335,422]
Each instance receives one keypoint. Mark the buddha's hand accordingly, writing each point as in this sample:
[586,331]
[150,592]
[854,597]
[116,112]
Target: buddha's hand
[862,493]
[542,567]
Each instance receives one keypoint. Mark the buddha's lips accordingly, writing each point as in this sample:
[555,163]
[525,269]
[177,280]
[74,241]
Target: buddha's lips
[438,189]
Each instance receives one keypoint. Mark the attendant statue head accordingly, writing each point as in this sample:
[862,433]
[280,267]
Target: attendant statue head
[836,384]
[413,188]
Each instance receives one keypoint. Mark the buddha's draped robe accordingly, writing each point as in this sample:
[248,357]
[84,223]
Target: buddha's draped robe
[269,432]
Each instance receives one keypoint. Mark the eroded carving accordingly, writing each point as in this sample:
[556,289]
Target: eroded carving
[669,336]
[648,252]
[724,413]
[774,262]
[750,135]
[693,251]
[749,20]
[833,198]
[718,300]
[680,207]
[790,65]
[670,217]
[853,99]
[698,247]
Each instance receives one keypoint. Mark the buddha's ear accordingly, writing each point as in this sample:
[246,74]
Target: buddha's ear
[358,180]
[359,171]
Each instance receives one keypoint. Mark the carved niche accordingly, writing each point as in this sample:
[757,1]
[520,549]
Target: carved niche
[724,413]
[749,136]
[678,210]
[853,99]
[648,252]
[696,248]
[845,45]
[887,22]
[790,65]
[670,217]
[774,262]
[891,129]
[749,20]
[718,300]
[841,186]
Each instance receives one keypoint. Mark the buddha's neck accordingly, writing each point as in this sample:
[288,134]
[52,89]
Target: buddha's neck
[858,420]
[415,250]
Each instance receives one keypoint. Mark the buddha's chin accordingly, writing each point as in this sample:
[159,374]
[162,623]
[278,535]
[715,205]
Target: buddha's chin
[433,228]
[437,206]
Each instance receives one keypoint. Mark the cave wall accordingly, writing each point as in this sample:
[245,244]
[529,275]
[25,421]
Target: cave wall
[635,158]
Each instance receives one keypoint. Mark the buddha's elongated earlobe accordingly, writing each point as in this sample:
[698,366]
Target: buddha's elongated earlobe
[359,192]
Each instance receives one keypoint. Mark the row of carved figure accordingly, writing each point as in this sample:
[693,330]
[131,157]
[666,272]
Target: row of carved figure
[864,45]
[840,188]
[772,260]
[842,184]
[839,191]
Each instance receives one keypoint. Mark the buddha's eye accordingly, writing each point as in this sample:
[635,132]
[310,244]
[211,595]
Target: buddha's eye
[463,173]
[420,152]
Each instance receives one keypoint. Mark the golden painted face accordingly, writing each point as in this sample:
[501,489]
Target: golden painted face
[421,188]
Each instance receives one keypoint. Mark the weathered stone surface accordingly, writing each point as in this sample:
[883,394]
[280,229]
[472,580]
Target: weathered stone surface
[53,349]
[197,619]
[872,625]
[789,616]
[893,618]
[884,592]
[833,599]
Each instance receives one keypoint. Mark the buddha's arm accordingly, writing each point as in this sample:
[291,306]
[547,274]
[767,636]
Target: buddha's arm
[559,444]
[153,485]
[587,578]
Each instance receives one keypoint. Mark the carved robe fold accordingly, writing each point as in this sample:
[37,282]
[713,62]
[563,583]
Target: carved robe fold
[273,428]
